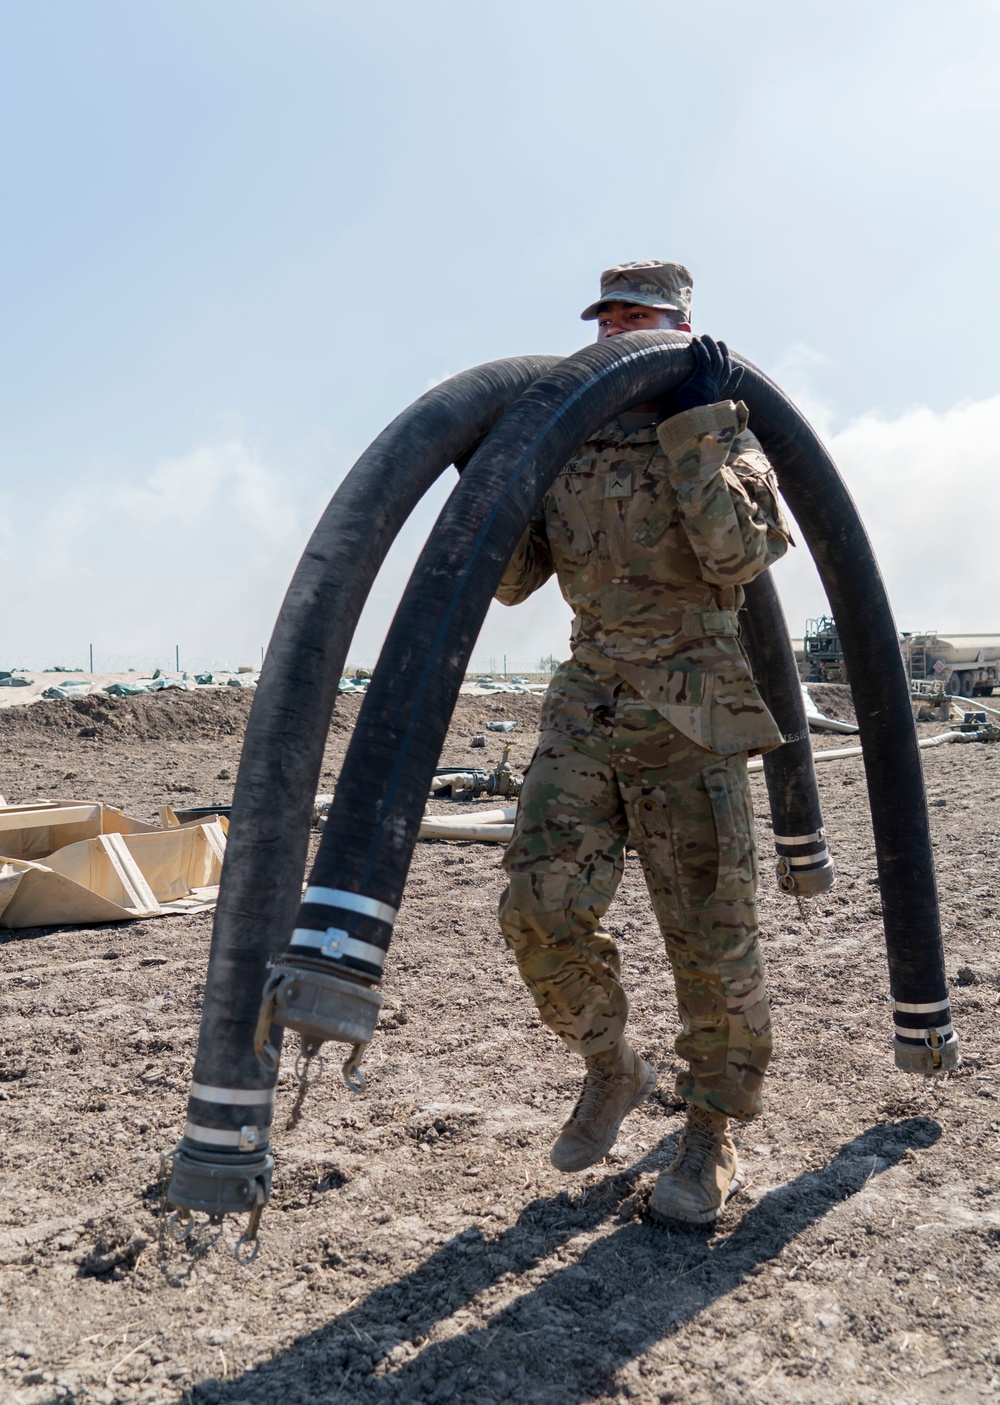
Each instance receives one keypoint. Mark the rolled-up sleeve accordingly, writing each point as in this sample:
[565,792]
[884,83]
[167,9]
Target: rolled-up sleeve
[726,492]
[529,567]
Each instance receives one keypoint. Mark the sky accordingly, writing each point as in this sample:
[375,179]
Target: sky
[239,238]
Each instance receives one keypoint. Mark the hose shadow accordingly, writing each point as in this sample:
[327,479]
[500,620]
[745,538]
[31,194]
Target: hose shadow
[565,1337]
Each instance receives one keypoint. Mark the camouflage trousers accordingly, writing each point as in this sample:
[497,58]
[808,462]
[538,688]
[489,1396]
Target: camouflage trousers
[621,772]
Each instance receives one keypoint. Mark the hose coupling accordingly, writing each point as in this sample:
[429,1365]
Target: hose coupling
[804,865]
[318,1005]
[924,1040]
[218,1184]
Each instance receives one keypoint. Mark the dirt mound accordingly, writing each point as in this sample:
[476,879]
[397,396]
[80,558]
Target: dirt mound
[834,700]
[170,715]
[174,715]
[475,712]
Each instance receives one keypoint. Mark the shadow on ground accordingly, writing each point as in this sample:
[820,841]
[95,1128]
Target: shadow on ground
[640,1282]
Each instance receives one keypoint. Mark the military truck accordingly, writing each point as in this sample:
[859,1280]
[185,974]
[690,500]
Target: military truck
[822,656]
[968,665]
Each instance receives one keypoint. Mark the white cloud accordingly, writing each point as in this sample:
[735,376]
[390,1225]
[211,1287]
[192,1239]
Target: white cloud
[198,550]
[926,486]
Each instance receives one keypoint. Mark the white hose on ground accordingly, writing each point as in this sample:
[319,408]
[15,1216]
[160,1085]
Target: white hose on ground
[496,826]
[972,704]
[448,778]
[836,753]
[503,815]
[820,721]
[489,826]
[430,828]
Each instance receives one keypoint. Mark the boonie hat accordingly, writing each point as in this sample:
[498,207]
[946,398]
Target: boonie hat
[650,282]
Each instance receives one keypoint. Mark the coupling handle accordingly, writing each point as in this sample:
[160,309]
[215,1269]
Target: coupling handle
[263,1048]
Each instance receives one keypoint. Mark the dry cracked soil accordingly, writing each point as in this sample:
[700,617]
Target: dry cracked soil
[419,1247]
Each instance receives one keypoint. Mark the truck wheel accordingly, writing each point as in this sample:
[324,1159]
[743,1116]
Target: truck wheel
[955,685]
[968,685]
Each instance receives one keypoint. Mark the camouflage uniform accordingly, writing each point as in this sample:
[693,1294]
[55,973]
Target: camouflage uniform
[644,736]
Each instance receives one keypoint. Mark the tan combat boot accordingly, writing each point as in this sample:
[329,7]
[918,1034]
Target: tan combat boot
[703,1175]
[615,1083]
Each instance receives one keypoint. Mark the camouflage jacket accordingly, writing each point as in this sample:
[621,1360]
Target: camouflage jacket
[651,534]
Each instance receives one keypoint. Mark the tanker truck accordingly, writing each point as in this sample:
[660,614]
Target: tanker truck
[967,664]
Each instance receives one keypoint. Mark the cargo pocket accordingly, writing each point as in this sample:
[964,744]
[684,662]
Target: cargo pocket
[650,832]
[734,831]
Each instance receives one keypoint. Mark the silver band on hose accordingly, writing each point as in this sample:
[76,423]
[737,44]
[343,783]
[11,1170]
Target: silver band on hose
[351,902]
[242,1138]
[232,1097]
[933,1008]
[921,1034]
[336,942]
[800,838]
[806,860]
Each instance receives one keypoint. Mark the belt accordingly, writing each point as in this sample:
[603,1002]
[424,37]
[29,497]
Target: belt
[672,624]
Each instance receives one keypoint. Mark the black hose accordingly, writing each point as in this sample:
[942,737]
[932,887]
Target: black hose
[804,865]
[223,1163]
[828,519]
[345,924]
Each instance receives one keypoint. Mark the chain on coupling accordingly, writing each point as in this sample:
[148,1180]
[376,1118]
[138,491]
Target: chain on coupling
[248,1245]
[267,1053]
[183,1228]
[308,1051]
[180,1225]
[808,914]
[353,1074]
[351,1070]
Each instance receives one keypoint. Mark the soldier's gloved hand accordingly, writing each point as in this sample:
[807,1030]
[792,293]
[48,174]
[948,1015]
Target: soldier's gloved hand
[714,378]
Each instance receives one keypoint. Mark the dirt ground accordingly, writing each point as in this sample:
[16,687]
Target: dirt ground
[419,1247]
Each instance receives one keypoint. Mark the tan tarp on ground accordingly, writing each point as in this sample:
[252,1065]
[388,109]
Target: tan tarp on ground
[39,828]
[68,861]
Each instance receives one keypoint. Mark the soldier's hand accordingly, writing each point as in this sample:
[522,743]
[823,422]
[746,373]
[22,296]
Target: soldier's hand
[713,378]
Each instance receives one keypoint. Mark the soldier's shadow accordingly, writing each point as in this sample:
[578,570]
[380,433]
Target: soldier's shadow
[563,1340]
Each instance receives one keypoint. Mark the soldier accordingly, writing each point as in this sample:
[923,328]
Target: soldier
[651,529]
